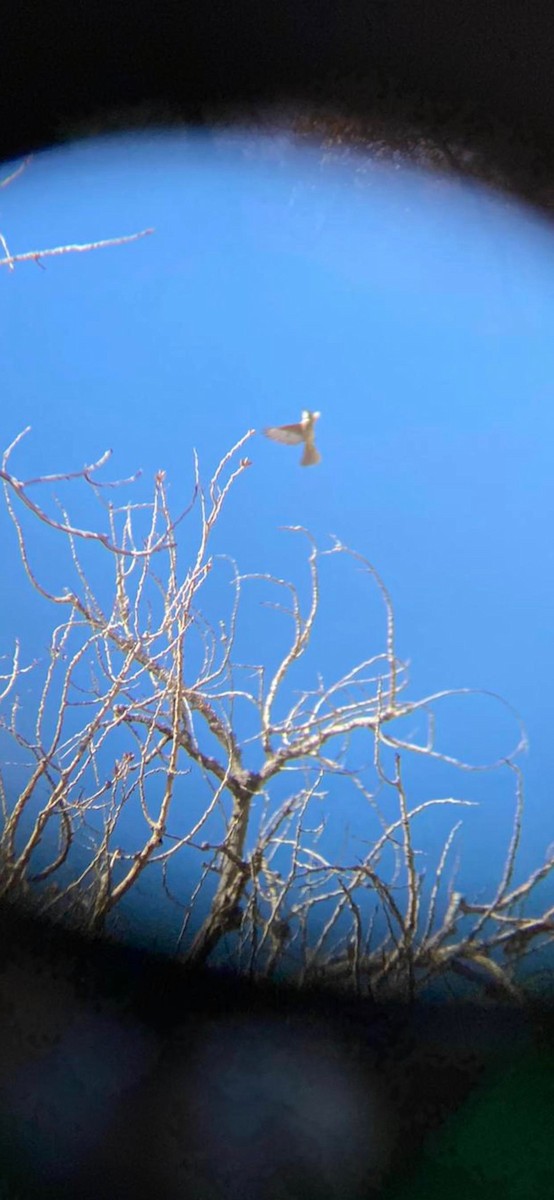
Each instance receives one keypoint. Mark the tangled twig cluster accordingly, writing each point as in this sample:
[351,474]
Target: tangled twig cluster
[140,752]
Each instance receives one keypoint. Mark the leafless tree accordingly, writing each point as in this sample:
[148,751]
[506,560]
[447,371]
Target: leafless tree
[152,737]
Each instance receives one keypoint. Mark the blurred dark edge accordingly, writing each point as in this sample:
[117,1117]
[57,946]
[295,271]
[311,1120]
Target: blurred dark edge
[483,67]
[419,1063]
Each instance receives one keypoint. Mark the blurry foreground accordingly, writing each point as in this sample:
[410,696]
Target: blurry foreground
[122,1074]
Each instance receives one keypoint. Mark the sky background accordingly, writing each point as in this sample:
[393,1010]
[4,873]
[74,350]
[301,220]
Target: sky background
[417,314]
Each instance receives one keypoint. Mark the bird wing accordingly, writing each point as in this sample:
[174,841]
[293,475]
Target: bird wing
[289,435]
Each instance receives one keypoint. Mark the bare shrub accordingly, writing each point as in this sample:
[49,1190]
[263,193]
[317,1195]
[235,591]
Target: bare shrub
[152,738]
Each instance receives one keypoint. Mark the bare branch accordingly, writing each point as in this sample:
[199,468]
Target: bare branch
[139,725]
[9,260]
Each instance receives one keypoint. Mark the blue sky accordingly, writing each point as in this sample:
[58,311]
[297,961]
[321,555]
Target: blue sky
[416,313]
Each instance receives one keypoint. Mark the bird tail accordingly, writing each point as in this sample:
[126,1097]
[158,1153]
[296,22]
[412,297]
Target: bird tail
[310,457]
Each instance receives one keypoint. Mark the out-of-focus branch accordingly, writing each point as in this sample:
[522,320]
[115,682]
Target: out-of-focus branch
[9,260]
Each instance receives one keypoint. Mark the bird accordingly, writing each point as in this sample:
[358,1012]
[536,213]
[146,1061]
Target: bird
[293,435]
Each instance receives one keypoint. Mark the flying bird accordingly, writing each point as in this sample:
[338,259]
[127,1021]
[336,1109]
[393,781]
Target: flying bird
[293,435]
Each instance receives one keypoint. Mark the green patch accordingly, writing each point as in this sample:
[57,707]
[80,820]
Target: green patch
[500,1144]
